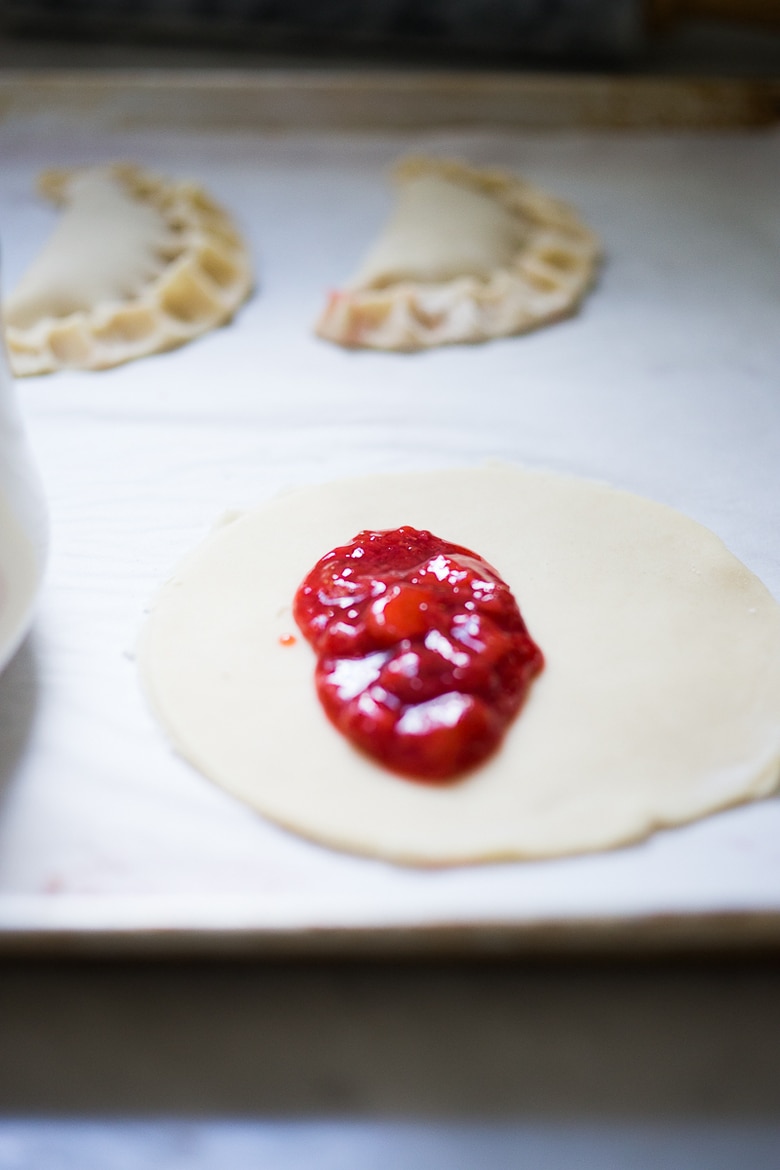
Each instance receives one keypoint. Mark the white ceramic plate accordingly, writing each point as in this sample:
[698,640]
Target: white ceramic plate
[22,524]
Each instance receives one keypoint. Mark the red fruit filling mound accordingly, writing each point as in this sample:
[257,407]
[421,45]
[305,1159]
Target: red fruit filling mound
[423,657]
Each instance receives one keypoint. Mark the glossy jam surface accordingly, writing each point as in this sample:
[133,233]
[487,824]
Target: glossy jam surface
[423,657]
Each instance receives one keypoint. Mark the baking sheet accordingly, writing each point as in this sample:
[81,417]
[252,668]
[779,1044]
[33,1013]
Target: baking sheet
[667,384]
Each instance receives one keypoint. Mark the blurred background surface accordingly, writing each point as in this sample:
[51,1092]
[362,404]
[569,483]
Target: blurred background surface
[704,36]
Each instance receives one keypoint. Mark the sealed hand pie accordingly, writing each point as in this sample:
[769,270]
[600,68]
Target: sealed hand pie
[137,264]
[468,255]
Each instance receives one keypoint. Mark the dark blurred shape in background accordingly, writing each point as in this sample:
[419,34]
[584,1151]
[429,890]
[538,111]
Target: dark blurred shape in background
[544,33]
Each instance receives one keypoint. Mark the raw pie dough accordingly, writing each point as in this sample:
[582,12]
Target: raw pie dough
[467,255]
[137,264]
[659,701]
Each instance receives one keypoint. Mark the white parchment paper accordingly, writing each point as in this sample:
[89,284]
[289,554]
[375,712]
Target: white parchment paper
[667,383]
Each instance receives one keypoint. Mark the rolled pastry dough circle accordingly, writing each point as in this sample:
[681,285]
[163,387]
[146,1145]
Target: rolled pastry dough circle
[659,702]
